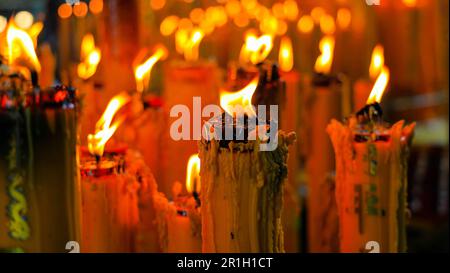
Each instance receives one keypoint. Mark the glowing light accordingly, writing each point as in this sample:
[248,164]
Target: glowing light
[65,11]
[290,10]
[233,8]
[90,57]
[181,38]
[325,60]
[103,128]
[379,87]
[192,47]
[344,18]
[24,19]
[377,61]
[241,20]
[142,71]
[240,102]
[196,15]
[169,25]
[34,31]
[80,9]
[281,27]
[193,182]
[157,4]
[96,6]
[185,23]
[327,25]
[305,24]
[317,13]
[278,10]
[256,49]
[21,47]
[3,23]
[410,3]
[285,56]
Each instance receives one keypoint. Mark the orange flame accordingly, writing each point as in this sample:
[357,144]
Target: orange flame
[379,87]
[239,102]
[103,129]
[193,43]
[325,60]
[20,46]
[286,56]
[142,71]
[256,49]
[377,61]
[90,56]
[193,183]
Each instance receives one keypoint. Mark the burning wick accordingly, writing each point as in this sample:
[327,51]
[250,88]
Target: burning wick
[142,70]
[193,184]
[372,111]
[104,130]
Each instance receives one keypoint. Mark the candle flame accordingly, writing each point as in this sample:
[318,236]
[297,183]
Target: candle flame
[379,87]
[377,61]
[256,49]
[240,100]
[143,70]
[193,183]
[325,60]
[90,57]
[103,128]
[286,56]
[188,43]
[20,46]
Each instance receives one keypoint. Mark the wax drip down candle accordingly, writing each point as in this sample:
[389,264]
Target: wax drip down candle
[242,186]
[109,192]
[41,190]
[323,105]
[179,221]
[371,181]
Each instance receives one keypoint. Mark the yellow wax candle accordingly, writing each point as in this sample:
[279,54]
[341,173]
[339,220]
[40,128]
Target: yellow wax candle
[371,186]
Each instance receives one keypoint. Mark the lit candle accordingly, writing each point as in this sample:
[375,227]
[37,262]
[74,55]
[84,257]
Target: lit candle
[371,182]
[40,188]
[109,192]
[183,81]
[242,187]
[183,219]
[324,105]
[290,113]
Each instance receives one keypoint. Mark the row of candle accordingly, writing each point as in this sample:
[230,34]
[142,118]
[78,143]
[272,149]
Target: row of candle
[121,196]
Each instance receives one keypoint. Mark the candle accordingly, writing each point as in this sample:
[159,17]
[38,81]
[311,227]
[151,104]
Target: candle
[41,191]
[109,193]
[183,81]
[371,167]
[324,104]
[290,122]
[180,221]
[242,187]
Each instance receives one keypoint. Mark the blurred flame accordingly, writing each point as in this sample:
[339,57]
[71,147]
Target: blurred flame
[242,98]
[142,71]
[325,60]
[305,24]
[377,61]
[90,57]
[379,87]
[286,56]
[192,45]
[103,128]
[256,49]
[344,18]
[20,46]
[193,183]
[34,31]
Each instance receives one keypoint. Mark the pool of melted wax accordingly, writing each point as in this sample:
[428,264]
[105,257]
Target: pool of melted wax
[242,130]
